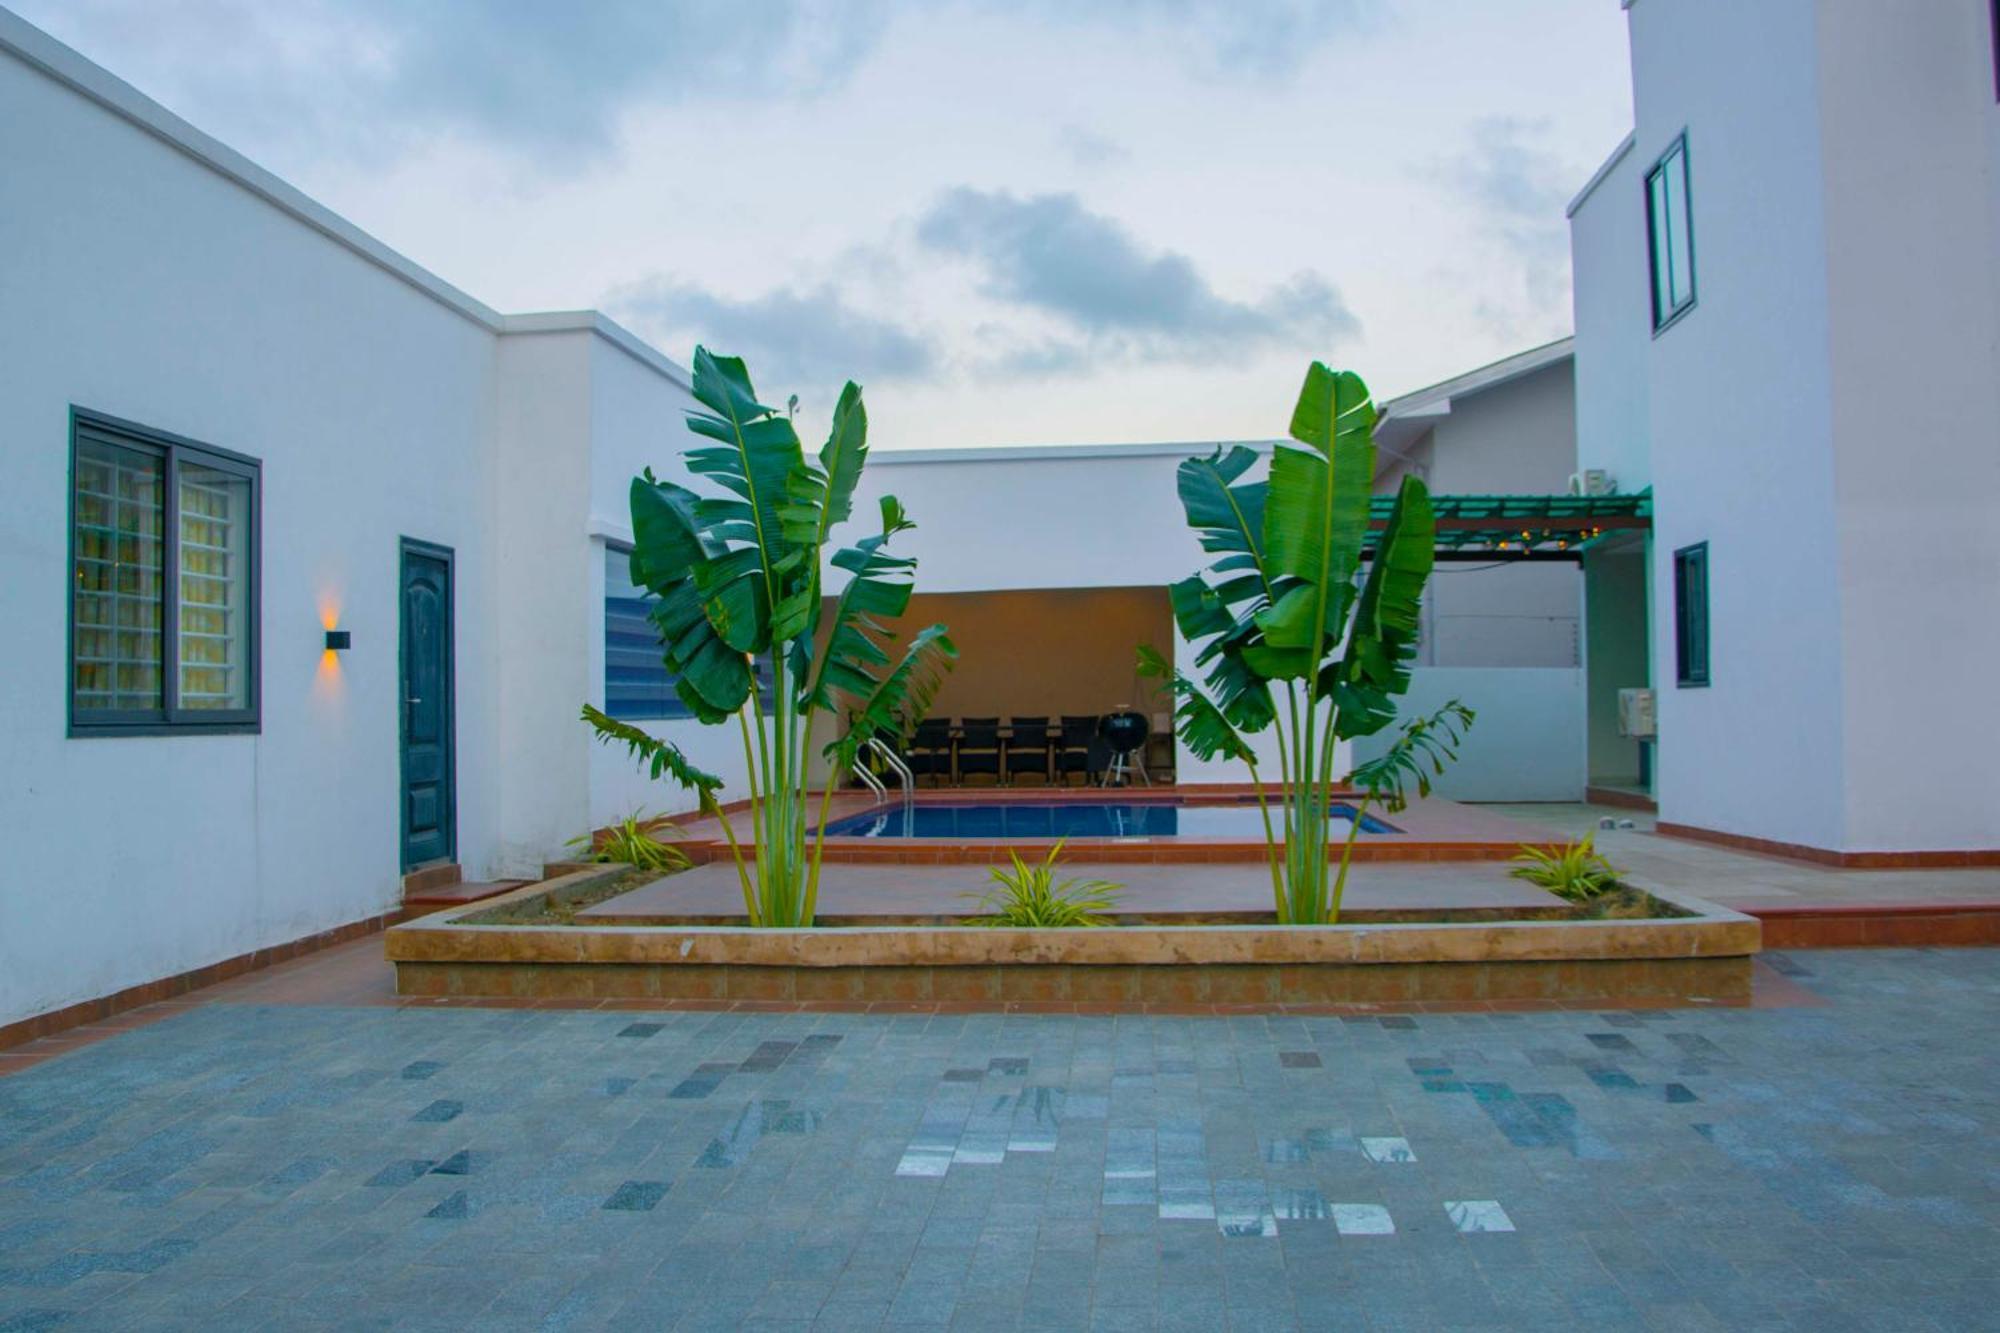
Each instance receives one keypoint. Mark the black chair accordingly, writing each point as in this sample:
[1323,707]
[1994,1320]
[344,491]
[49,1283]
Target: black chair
[929,751]
[1079,750]
[1028,742]
[978,747]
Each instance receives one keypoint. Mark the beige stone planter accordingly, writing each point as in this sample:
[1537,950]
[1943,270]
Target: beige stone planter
[1701,957]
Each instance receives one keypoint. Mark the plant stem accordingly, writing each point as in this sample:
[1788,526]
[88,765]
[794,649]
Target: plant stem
[755,757]
[1270,843]
[1346,855]
[742,874]
[819,844]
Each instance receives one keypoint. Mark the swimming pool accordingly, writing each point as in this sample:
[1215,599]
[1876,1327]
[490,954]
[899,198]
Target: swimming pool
[1077,819]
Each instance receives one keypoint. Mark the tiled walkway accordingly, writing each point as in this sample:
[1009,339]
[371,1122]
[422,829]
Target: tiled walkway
[1746,880]
[244,1165]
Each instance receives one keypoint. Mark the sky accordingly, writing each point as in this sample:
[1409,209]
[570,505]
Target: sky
[1012,221]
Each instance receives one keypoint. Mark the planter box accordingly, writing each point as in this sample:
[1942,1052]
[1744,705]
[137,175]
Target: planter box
[1705,956]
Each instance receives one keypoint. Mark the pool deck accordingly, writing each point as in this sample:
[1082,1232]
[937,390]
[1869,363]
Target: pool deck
[885,894]
[1428,830]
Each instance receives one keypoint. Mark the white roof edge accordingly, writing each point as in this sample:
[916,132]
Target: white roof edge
[1021,453]
[601,324]
[1604,169]
[1435,399]
[41,52]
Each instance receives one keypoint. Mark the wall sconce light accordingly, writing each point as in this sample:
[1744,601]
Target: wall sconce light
[339,640]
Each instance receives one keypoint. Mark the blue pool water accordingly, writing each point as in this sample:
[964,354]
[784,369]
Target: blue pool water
[1076,819]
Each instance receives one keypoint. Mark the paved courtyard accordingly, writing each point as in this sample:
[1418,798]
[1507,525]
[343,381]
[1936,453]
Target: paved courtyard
[241,1166]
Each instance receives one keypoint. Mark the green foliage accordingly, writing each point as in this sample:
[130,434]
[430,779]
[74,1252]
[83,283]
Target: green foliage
[1579,872]
[1026,895]
[1288,634]
[656,756]
[1427,745]
[631,842]
[737,571]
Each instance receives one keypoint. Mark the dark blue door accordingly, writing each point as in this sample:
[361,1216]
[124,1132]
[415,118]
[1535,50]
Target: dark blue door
[428,814]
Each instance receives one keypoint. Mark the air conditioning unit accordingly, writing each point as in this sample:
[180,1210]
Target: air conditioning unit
[1635,715]
[1592,481]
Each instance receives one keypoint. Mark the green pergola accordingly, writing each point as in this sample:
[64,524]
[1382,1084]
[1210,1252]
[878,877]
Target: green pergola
[1525,527]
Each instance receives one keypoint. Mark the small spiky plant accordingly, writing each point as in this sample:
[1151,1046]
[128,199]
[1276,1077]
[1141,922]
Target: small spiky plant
[631,842]
[1031,896]
[1578,872]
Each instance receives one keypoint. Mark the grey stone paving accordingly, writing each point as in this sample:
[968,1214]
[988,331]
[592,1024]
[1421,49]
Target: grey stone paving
[241,1167]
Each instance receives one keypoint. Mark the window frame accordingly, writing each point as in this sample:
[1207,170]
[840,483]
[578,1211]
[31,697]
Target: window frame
[170,719]
[1662,321]
[682,710]
[766,694]
[1687,675]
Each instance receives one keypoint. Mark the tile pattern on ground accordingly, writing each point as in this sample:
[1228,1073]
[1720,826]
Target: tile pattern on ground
[295,1167]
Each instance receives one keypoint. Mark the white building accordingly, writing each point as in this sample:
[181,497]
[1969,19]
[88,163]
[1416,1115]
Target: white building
[199,363]
[1787,317]
[241,432]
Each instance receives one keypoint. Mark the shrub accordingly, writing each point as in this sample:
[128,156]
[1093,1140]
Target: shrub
[1026,895]
[631,842]
[1578,872]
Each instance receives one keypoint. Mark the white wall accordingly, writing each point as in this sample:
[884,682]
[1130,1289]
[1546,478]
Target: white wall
[1739,421]
[1913,272]
[1825,417]
[139,283]
[1527,743]
[1612,309]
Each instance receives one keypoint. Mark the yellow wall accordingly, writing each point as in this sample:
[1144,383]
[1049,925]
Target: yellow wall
[1046,651]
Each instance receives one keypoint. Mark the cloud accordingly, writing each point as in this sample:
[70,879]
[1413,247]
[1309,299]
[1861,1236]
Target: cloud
[805,340]
[1050,255]
[1518,188]
[1089,149]
[1227,38]
[551,82]
[548,81]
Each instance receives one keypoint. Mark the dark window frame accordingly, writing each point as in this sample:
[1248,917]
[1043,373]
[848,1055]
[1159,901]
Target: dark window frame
[678,709]
[170,719]
[674,708]
[1693,649]
[1666,319]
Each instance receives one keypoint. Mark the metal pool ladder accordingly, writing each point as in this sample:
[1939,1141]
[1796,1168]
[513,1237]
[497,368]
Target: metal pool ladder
[904,777]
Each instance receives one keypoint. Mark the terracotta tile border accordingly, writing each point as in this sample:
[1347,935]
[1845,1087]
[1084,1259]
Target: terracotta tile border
[87,1012]
[1620,798]
[1880,925]
[1824,856]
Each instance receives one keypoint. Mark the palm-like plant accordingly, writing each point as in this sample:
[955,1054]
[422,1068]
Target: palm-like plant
[738,581]
[1290,636]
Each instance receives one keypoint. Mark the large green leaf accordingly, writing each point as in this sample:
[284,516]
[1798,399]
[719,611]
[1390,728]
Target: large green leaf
[662,758]
[670,557]
[1199,722]
[1228,518]
[817,498]
[878,592]
[901,697]
[756,454]
[1316,518]
[1387,615]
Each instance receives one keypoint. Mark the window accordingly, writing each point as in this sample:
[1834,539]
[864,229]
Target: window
[637,683]
[163,610]
[1670,234]
[1691,614]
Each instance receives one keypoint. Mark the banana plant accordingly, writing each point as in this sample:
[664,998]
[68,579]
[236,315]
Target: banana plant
[1290,636]
[737,572]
